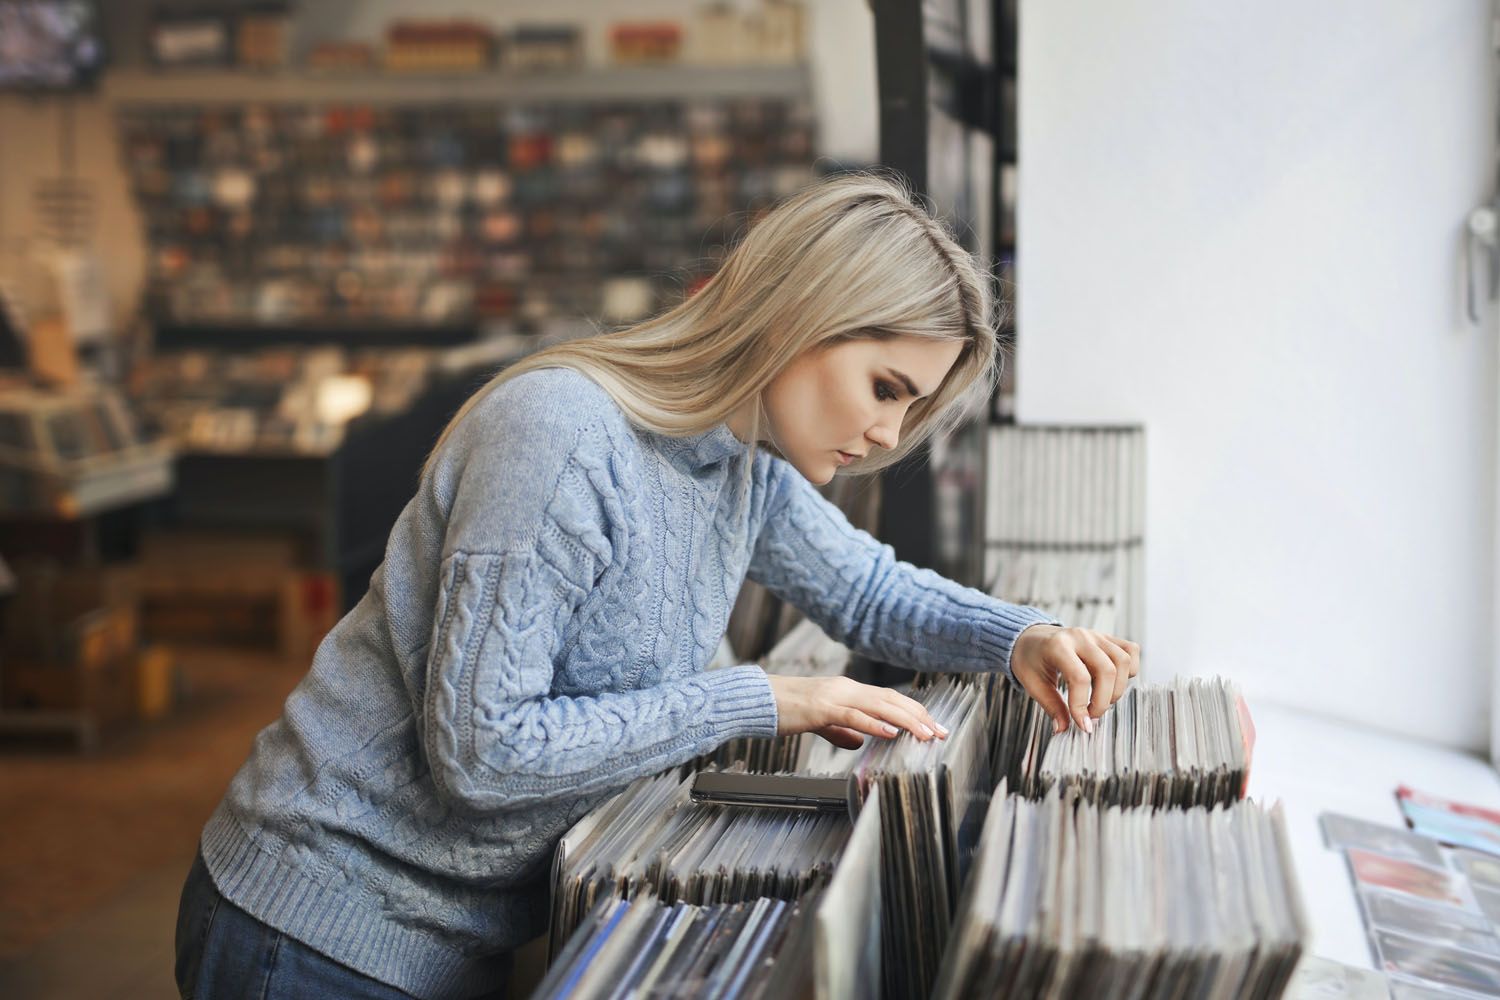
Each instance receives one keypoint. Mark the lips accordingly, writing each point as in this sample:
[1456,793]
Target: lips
[845,458]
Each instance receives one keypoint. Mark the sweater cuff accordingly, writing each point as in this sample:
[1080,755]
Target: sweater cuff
[740,702]
[997,633]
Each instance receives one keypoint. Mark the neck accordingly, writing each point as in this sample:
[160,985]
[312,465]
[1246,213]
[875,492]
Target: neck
[739,422]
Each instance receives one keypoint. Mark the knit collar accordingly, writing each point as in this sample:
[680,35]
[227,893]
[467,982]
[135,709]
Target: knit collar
[706,447]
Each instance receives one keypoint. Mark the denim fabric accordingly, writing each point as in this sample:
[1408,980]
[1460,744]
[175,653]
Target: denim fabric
[223,953]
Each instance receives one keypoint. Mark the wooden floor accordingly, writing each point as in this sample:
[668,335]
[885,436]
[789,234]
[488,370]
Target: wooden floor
[94,848]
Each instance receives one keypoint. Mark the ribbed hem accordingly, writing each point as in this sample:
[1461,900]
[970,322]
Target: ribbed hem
[740,702]
[347,929]
[995,634]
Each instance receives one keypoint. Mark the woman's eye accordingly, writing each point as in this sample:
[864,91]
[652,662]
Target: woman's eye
[884,391]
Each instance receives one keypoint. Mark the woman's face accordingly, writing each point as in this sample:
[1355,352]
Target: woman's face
[835,403]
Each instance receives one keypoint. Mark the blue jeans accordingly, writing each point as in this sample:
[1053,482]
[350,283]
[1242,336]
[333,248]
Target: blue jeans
[223,953]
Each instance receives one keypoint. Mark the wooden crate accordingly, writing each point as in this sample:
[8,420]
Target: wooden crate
[234,590]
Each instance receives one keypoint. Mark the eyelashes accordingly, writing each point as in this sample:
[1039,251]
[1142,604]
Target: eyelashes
[884,391]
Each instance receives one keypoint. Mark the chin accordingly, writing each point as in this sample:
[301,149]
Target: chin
[818,474]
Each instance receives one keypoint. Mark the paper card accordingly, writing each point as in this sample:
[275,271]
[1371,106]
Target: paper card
[1436,964]
[1341,831]
[1483,870]
[1489,903]
[1383,872]
[1443,924]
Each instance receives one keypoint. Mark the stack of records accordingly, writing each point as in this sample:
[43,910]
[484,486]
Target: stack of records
[652,836]
[1066,522]
[643,947]
[1080,587]
[805,652]
[824,942]
[1014,725]
[1070,898]
[1181,744]
[935,793]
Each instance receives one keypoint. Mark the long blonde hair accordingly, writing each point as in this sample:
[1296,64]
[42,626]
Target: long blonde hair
[853,255]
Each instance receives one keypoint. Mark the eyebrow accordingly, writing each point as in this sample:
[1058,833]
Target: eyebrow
[910,386]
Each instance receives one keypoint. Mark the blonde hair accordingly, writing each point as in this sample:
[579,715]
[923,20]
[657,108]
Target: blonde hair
[850,256]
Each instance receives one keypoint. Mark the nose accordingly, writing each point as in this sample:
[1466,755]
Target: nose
[886,434]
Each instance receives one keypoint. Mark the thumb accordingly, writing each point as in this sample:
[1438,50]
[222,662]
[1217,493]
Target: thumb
[842,736]
[1051,700]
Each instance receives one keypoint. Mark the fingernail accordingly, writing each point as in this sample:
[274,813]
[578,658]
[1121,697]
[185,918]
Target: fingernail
[942,729]
[890,730]
[1088,725]
[926,733]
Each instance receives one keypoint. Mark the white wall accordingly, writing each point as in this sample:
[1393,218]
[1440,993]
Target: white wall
[1240,224]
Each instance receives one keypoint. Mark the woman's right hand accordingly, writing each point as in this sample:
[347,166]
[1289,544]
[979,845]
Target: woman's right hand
[840,710]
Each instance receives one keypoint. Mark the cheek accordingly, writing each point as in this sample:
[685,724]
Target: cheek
[842,400]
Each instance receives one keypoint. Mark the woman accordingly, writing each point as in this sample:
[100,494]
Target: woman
[537,634]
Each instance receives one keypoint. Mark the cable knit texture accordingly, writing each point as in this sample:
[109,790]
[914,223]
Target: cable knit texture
[535,639]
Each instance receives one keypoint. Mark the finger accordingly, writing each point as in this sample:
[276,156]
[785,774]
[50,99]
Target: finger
[917,710]
[895,712]
[1045,694]
[1121,661]
[1101,676]
[839,736]
[1080,684]
[1133,649]
[862,722]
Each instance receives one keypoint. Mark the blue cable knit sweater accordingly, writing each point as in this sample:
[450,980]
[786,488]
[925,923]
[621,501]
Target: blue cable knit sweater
[535,639]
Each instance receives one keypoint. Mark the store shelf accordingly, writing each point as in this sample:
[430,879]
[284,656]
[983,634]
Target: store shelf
[354,333]
[198,87]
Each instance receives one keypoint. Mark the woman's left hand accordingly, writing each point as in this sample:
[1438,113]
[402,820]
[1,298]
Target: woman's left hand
[1097,668]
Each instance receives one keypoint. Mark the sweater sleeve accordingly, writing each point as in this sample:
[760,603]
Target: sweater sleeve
[857,591]
[534,528]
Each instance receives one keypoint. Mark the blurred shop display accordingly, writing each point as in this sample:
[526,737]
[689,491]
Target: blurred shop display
[281,400]
[271,601]
[341,57]
[76,452]
[439,47]
[450,213]
[773,32]
[49,44]
[404,182]
[263,36]
[257,36]
[317,444]
[190,39]
[71,661]
[535,48]
[645,42]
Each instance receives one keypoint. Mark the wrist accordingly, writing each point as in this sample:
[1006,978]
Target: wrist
[1029,636]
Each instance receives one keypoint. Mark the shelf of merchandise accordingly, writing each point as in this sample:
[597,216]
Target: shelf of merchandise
[672,82]
[341,505]
[245,336]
